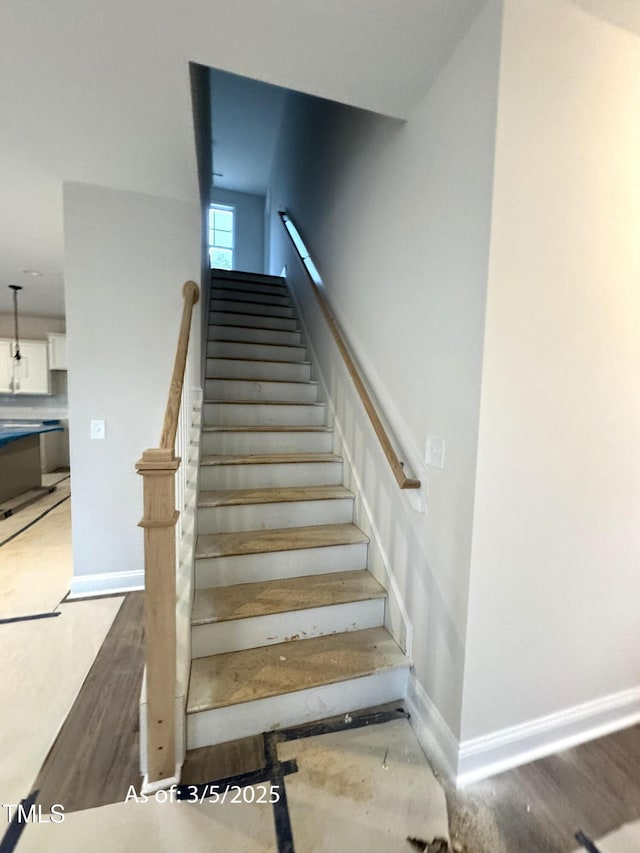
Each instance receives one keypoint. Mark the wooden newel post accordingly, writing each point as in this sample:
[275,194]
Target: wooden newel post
[158,468]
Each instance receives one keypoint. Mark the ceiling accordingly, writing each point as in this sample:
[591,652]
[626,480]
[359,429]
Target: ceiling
[99,93]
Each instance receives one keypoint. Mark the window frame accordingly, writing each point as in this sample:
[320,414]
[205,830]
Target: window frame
[211,230]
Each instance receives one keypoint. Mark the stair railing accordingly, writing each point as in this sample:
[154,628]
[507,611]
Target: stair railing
[160,731]
[383,437]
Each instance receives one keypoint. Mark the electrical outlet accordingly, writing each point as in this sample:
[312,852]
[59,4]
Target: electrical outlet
[434,451]
[98,429]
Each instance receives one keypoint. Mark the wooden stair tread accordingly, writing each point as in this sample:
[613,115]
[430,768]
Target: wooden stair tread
[252,343]
[262,381]
[215,298]
[219,272]
[244,275]
[231,284]
[251,278]
[279,290]
[243,497]
[217,281]
[215,312]
[246,600]
[248,303]
[264,402]
[218,681]
[257,360]
[265,428]
[230,294]
[242,543]
[229,291]
[266,458]
[246,326]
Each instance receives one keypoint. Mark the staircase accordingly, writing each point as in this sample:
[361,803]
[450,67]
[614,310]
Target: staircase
[287,623]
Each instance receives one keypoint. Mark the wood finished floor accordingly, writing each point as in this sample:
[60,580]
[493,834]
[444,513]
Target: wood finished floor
[533,809]
[95,756]
[539,807]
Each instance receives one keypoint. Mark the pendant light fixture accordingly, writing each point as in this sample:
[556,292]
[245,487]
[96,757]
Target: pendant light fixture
[17,356]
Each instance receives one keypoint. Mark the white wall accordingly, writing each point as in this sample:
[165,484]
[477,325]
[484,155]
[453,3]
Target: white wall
[248,254]
[555,584]
[126,258]
[397,217]
[100,95]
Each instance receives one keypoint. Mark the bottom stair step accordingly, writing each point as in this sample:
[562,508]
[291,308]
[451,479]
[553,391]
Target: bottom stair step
[236,694]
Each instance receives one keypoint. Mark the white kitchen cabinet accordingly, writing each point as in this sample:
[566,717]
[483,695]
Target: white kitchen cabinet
[57,351]
[31,374]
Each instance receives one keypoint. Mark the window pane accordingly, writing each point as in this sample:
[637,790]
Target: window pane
[223,238]
[223,219]
[221,258]
[220,234]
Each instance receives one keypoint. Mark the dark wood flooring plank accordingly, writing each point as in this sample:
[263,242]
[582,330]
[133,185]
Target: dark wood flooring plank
[594,787]
[96,754]
[234,758]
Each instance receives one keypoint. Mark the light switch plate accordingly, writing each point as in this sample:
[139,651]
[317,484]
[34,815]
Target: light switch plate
[434,451]
[98,429]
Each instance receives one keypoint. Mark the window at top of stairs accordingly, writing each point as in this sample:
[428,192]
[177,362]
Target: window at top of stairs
[221,236]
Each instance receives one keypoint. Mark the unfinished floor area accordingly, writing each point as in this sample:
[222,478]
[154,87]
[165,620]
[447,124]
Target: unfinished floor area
[69,729]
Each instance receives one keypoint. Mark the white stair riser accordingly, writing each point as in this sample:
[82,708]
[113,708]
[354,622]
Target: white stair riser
[280,290]
[302,706]
[271,475]
[265,414]
[249,296]
[251,632]
[233,369]
[255,287]
[224,571]
[250,307]
[225,519]
[252,336]
[260,389]
[238,349]
[254,303]
[243,275]
[223,318]
[229,443]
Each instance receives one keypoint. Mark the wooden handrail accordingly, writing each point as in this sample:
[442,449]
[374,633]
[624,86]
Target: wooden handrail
[396,465]
[190,294]
[158,467]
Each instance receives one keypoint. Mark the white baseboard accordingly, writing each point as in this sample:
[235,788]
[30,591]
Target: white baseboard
[151,789]
[435,737]
[482,757]
[490,754]
[106,584]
